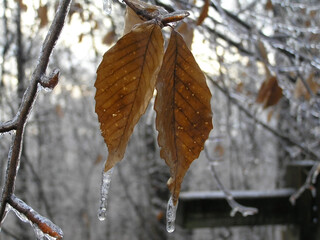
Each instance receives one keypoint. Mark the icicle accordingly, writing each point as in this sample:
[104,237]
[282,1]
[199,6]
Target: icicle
[107,6]
[104,191]
[171,215]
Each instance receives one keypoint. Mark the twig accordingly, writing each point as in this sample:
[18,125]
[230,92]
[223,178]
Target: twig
[44,224]
[29,97]
[235,206]
[311,178]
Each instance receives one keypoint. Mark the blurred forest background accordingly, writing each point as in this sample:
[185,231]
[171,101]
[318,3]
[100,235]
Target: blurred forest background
[239,45]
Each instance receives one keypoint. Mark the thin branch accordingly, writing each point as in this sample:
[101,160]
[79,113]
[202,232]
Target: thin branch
[44,224]
[9,125]
[311,179]
[27,102]
[275,132]
[235,206]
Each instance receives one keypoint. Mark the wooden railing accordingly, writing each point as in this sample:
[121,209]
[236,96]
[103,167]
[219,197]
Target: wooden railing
[210,209]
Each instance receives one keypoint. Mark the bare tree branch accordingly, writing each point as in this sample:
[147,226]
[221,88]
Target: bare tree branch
[29,97]
[44,224]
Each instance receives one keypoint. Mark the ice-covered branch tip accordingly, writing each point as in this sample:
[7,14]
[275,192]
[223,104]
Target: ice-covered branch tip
[311,179]
[20,120]
[49,82]
[235,206]
[27,214]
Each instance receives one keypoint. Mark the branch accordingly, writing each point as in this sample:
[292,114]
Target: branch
[29,98]
[275,132]
[235,206]
[311,179]
[44,224]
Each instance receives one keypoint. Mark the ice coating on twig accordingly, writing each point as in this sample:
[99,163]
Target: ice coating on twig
[104,192]
[235,206]
[43,227]
[107,6]
[171,215]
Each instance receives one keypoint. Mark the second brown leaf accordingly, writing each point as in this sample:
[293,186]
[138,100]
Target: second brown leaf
[184,117]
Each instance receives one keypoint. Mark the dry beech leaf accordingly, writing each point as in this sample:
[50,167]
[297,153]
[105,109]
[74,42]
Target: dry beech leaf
[269,5]
[184,118]
[204,12]
[186,29]
[43,15]
[130,20]
[270,92]
[125,84]
[22,5]
[109,38]
[300,90]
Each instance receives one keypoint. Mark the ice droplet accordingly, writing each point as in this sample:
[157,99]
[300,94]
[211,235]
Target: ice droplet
[171,215]
[104,191]
[107,6]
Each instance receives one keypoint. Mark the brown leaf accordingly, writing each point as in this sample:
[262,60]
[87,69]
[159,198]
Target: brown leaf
[22,5]
[183,111]
[204,12]
[109,38]
[270,92]
[300,90]
[269,5]
[43,15]
[125,84]
[186,29]
[130,20]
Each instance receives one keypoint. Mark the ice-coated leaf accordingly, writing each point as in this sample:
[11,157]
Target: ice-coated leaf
[124,86]
[184,118]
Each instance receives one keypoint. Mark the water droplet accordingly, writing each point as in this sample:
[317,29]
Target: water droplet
[104,192]
[102,213]
[192,94]
[198,112]
[171,215]
[114,114]
[107,6]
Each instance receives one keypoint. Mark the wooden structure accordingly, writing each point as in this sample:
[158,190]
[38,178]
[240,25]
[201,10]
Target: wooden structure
[210,209]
